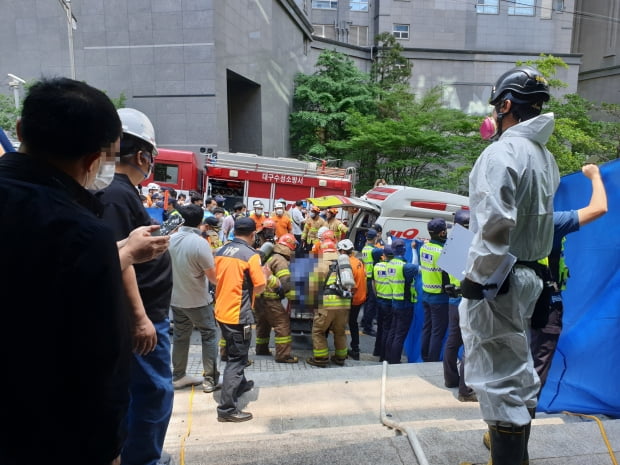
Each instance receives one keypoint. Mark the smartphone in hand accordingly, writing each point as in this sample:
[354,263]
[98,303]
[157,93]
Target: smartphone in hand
[169,226]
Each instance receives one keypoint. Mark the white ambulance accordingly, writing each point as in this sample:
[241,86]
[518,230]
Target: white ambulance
[401,211]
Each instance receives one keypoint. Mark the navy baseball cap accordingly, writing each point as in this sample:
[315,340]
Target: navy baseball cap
[437,225]
[387,251]
[462,217]
[245,225]
[398,246]
[371,233]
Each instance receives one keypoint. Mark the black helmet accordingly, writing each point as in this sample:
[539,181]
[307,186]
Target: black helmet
[523,82]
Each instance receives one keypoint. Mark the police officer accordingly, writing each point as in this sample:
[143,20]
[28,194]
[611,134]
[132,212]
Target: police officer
[401,276]
[383,291]
[434,297]
[370,306]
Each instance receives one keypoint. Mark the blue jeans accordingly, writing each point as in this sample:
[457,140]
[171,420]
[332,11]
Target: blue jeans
[150,405]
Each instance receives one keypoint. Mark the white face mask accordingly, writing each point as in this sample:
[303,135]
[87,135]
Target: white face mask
[105,174]
[279,212]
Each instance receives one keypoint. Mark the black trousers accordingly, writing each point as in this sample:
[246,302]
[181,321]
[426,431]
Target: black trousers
[234,376]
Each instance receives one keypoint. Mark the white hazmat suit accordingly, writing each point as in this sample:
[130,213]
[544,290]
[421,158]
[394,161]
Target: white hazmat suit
[511,190]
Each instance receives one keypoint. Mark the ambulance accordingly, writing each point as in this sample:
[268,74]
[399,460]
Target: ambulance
[401,211]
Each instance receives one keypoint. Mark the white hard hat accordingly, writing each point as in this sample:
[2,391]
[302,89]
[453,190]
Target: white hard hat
[137,124]
[320,232]
[152,185]
[345,244]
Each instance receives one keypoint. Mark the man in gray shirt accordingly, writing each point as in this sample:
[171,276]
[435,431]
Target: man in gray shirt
[192,304]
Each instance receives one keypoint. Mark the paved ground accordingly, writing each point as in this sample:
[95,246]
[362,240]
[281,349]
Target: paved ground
[306,415]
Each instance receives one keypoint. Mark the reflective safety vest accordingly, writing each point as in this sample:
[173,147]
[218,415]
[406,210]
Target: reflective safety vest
[396,277]
[367,259]
[431,273]
[382,281]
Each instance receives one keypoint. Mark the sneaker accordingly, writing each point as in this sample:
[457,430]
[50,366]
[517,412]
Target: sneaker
[165,459]
[318,362]
[354,354]
[289,359]
[187,381]
[208,386]
[468,398]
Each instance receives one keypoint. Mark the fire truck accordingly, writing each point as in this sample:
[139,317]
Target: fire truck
[244,177]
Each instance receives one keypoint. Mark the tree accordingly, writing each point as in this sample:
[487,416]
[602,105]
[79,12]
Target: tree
[321,103]
[8,115]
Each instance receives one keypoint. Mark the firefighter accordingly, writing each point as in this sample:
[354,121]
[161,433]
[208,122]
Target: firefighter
[209,230]
[283,222]
[324,234]
[268,308]
[311,228]
[258,215]
[332,310]
[333,223]
[266,234]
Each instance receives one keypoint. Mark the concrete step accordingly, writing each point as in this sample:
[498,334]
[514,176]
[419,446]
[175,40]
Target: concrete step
[333,415]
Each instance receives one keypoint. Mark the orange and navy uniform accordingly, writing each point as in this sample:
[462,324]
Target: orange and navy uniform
[359,276]
[239,271]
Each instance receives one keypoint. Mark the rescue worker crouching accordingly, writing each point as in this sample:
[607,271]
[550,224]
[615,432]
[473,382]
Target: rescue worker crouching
[332,310]
[268,309]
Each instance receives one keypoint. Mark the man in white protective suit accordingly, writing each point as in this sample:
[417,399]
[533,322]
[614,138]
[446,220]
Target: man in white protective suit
[511,190]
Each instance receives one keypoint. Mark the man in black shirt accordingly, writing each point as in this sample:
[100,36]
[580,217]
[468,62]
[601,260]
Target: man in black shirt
[151,376]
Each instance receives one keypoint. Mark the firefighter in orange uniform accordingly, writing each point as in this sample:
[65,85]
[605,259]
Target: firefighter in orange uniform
[334,224]
[269,310]
[284,224]
[311,228]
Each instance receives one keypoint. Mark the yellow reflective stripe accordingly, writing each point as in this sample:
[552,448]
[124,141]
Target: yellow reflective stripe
[283,339]
[320,353]
[341,353]
[270,295]
[283,272]
[222,342]
[262,340]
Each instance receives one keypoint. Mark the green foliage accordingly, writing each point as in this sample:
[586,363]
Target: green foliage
[8,114]
[120,101]
[548,65]
[322,101]
[390,69]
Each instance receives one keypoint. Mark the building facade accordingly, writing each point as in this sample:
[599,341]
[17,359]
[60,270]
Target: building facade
[220,74]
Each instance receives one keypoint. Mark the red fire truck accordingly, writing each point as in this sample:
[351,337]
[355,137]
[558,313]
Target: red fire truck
[243,177]
[179,169]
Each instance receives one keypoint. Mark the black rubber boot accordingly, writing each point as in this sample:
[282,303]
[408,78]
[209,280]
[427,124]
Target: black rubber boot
[507,444]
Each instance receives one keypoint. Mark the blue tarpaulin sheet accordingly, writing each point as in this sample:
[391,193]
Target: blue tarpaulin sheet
[584,375]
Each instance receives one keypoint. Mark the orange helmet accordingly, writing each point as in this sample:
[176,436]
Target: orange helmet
[315,209]
[328,246]
[328,235]
[333,211]
[269,224]
[288,240]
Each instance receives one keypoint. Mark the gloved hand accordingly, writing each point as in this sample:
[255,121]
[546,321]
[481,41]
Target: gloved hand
[471,290]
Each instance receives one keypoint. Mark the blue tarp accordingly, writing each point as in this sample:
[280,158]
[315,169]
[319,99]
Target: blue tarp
[584,375]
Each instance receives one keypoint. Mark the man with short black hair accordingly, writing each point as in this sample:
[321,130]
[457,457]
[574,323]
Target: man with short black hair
[69,134]
[193,267]
[240,278]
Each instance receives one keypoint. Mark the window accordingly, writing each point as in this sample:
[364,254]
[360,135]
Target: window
[328,31]
[487,7]
[558,5]
[166,173]
[358,5]
[358,35]
[325,4]
[401,31]
[522,7]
